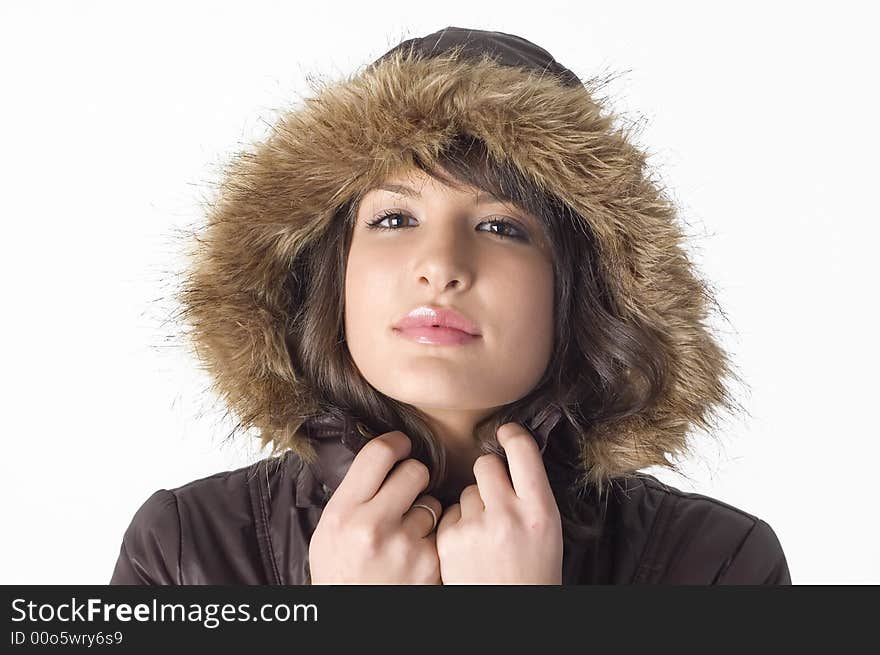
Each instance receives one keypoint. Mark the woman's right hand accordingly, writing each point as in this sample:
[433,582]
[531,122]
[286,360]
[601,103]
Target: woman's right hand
[369,532]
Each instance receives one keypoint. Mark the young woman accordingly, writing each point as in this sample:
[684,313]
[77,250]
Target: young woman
[447,294]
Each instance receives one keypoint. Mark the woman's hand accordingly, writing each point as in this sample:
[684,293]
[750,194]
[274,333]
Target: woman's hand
[369,533]
[506,529]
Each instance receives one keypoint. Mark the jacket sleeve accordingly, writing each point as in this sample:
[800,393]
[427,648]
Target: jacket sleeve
[758,560]
[150,551]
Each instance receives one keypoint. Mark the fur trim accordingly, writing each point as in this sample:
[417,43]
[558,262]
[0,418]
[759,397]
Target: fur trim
[354,132]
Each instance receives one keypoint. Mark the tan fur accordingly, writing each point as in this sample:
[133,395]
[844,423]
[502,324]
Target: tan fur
[353,132]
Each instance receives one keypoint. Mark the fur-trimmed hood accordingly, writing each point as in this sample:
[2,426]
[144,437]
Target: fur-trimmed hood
[350,134]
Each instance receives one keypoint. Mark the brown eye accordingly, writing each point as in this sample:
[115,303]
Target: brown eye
[506,230]
[376,223]
[509,230]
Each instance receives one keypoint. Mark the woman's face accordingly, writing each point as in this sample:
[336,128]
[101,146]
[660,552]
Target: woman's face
[443,249]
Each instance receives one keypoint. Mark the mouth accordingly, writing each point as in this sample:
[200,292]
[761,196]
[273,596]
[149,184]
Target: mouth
[438,326]
[436,336]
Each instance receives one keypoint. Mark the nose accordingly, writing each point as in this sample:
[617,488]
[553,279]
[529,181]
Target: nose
[444,260]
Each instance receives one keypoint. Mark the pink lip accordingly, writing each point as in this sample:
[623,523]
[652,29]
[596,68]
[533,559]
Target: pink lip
[437,317]
[438,336]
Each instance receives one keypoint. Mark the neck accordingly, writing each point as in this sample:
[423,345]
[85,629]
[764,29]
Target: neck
[455,429]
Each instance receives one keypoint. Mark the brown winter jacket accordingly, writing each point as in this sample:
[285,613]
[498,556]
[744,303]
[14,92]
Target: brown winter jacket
[249,286]
[253,526]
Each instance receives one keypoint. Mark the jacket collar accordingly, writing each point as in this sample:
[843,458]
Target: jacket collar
[336,441]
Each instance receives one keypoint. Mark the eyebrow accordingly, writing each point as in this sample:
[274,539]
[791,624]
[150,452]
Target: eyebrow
[404,190]
[481,197]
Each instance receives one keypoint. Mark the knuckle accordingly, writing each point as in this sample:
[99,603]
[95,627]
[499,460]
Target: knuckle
[398,547]
[380,451]
[509,430]
[417,470]
[401,543]
[486,459]
[366,537]
[471,488]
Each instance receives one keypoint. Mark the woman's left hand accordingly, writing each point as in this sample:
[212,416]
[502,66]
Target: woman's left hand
[505,529]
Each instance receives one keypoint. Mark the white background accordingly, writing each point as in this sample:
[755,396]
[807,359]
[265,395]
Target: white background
[761,119]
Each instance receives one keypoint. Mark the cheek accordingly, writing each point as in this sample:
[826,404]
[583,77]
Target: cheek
[369,285]
[523,307]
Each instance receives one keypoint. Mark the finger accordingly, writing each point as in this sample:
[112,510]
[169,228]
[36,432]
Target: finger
[493,480]
[370,467]
[451,516]
[418,520]
[471,502]
[527,472]
[400,489]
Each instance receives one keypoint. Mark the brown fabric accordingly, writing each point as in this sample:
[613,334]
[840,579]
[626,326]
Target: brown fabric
[253,525]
